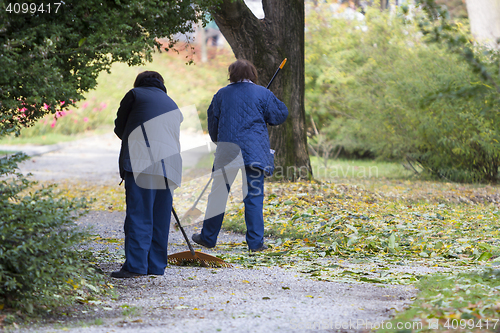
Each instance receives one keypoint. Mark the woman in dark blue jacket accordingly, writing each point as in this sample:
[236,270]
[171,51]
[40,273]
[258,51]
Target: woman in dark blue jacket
[237,122]
[148,123]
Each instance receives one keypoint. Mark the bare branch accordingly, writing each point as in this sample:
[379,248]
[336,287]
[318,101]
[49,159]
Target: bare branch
[314,126]
[338,152]
[313,150]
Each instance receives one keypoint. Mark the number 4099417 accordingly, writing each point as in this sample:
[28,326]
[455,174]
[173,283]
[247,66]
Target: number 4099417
[471,324]
[33,8]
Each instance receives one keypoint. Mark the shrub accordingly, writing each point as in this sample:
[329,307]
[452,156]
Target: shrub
[377,87]
[40,265]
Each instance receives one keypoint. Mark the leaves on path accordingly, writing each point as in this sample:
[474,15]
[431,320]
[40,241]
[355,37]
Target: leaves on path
[384,231]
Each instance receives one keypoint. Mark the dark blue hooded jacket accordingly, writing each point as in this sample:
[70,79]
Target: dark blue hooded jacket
[239,114]
[143,104]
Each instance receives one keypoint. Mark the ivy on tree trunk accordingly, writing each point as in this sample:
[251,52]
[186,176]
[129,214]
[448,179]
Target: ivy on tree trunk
[266,42]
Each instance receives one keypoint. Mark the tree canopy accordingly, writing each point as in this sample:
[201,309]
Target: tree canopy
[52,55]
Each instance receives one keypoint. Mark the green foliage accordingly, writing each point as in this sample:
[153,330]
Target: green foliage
[379,87]
[49,60]
[39,263]
[457,8]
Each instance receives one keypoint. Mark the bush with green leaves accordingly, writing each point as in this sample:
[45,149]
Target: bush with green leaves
[40,263]
[378,87]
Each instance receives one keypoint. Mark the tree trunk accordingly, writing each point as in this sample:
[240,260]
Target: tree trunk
[266,43]
[484,17]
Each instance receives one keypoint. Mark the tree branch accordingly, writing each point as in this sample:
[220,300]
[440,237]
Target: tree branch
[231,12]
[266,6]
[235,21]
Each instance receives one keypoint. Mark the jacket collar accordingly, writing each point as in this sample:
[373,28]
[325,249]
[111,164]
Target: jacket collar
[152,82]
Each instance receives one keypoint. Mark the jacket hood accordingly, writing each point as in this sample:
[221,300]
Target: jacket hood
[152,82]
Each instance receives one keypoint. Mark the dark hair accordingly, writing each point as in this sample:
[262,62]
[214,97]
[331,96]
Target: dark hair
[242,70]
[147,74]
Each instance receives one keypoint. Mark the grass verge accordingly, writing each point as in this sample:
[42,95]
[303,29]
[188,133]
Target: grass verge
[465,302]
[358,169]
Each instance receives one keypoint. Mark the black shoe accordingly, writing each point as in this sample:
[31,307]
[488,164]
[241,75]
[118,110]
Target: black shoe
[262,248]
[197,239]
[124,274]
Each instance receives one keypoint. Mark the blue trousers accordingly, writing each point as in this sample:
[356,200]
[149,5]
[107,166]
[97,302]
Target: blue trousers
[147,225]
[253,201]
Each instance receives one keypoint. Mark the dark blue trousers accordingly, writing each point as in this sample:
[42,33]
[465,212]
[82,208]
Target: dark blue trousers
[253,201]
[147,225]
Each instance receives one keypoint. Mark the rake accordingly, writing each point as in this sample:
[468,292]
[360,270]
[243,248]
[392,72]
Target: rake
[192,256]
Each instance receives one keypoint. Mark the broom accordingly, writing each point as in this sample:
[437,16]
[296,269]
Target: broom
[193,212]
[191,256]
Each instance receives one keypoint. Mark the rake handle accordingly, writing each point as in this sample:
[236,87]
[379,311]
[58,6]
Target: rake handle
[183,232]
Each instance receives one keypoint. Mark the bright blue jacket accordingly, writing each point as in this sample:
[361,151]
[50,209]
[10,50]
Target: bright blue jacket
[239,113]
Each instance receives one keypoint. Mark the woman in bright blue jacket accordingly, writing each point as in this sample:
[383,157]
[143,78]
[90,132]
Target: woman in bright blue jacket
[237,122]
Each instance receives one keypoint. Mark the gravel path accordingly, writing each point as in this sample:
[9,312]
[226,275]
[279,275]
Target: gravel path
[191,299]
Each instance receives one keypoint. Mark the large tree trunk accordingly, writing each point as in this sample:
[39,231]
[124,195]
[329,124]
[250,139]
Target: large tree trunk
[484,17]
[266,43]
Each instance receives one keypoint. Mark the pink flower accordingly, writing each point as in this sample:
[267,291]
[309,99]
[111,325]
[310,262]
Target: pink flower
[45,106]
[62,103]
[60,114]
[85,105]
[85,119]
[53,124]
[103,106]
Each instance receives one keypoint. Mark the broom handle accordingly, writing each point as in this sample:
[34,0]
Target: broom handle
[204,189]
[183,232]
[276,73]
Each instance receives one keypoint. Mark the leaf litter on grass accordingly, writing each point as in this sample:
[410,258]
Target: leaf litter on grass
[344,232]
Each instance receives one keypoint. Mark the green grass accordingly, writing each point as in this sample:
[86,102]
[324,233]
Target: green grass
[358,169]
[463,302]
[6,152]
[50,138]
